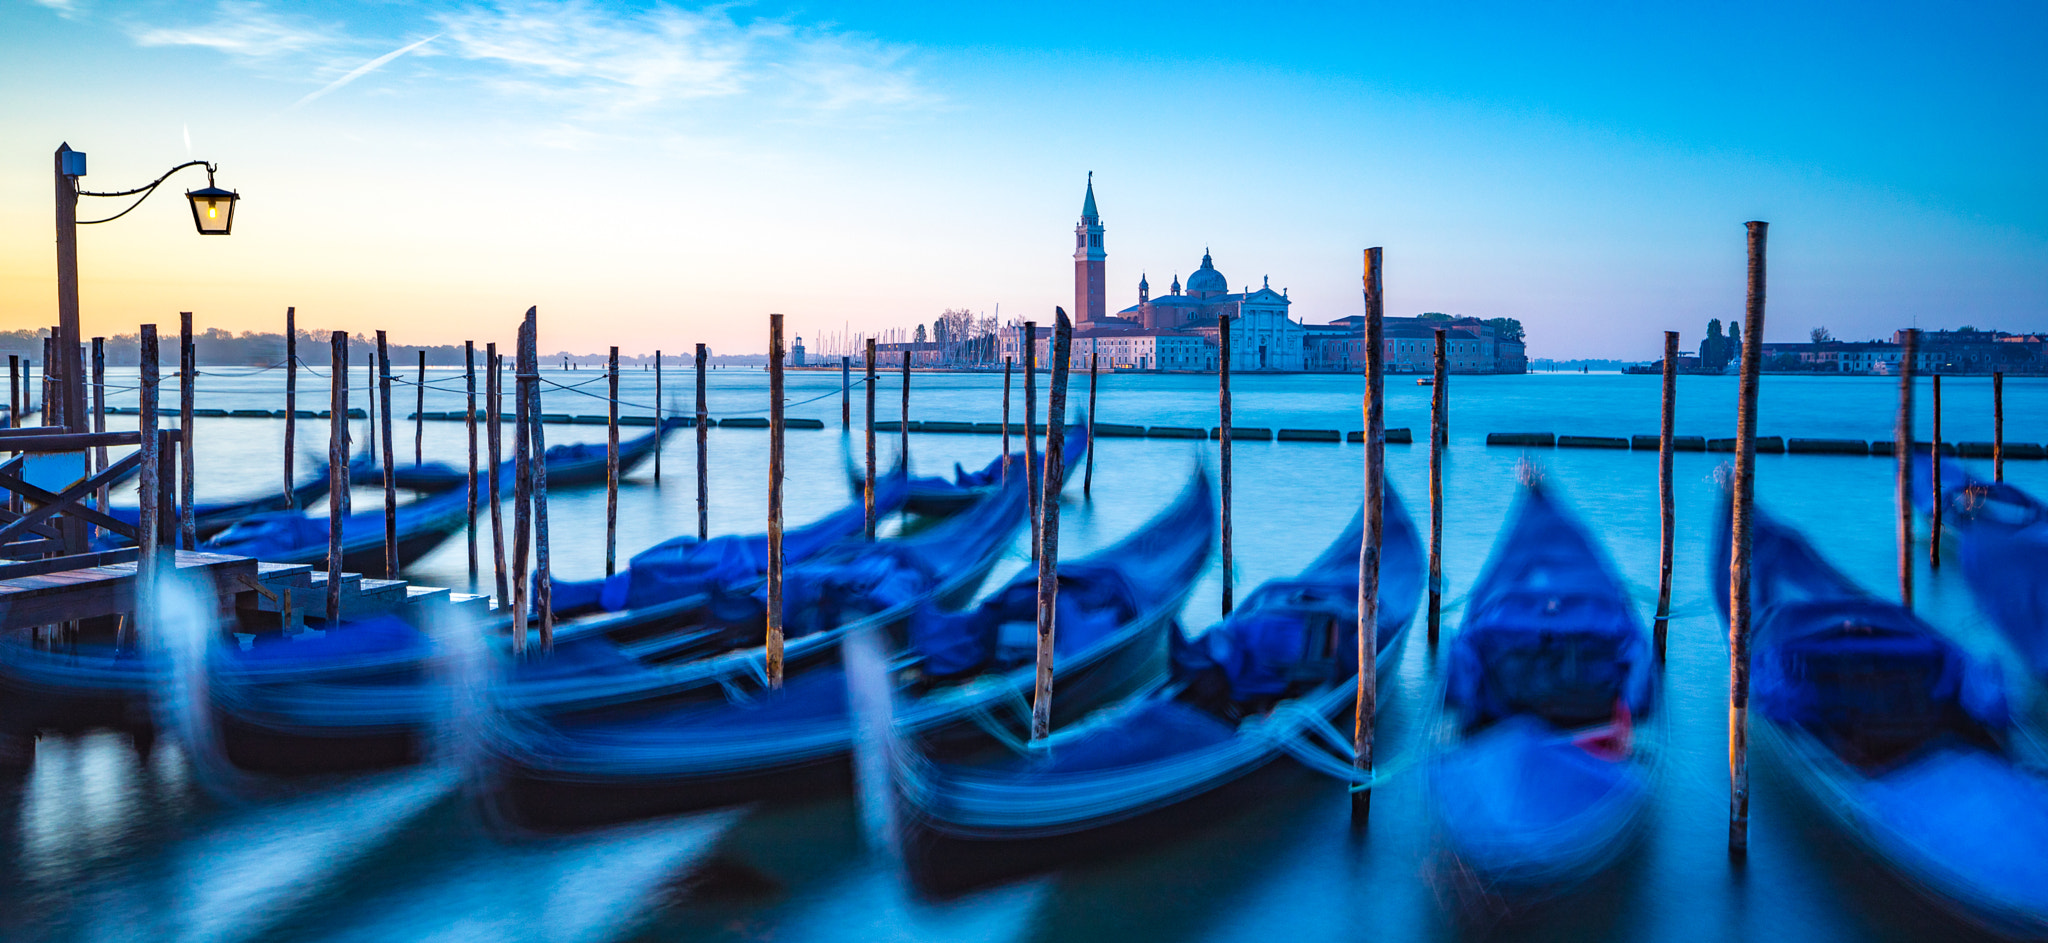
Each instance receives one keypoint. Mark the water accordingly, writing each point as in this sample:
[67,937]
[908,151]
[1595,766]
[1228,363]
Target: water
[103,842]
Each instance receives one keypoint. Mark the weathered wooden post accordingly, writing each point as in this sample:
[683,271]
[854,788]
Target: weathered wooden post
[494,399]
[188,368]
[868,492]
[469,426]
[703,458]
[1007,364]
[148,523]
[1738,566]
[291,403]
[611,471]
[1049,534]
[1088,475]
[1666,515]
[845,394]
[370,403]
[1437,437]
[658,426]
[1934,474]
[1223,451]
[1902,461]
[903,426]
[1365,710]
[99,413]
[337,466]
[522,491]
[391,562]
[14,409]
[544,571]
[773,655]
[419,412]
[1033,471]
[1997,425]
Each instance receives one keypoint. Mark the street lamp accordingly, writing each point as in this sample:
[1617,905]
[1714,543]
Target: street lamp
[213,213]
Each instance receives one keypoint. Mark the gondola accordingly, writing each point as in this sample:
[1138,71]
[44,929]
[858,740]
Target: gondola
[1899,735]
[935,495]
[954,669]
[708,649]
[298,537]
[569,466]
[210,519]
[1542,777]
[2001,534]
[1213,739]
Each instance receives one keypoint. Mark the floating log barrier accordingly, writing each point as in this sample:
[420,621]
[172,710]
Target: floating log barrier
[1397,436]
[188,382]
[867,491]
[1592,442]
[933,425]
[1049,534]
[1308,435]
[1115,430]
[1827,446]
[291,402]
[1667,519]
[773,652]
[1946,448]
[1768,444]
[1743,524]
[703,459]
[1902,461]
[611,471]
[1175,432]
[1541,439]
[1254,433]
[1366,710]
[1679,443]
[1223,434]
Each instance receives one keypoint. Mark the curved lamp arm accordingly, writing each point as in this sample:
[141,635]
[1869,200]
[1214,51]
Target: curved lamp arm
[145,190]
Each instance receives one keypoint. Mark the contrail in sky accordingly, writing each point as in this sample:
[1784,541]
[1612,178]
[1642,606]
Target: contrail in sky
[362,70]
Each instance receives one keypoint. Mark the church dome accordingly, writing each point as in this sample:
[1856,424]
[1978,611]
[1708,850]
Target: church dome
[1207,279]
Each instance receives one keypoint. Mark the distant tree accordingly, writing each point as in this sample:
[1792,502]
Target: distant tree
[1713,348]
[1734,348]
[1966,329]
[919,337]
[1507,329]
[1820,335]
[1435,316]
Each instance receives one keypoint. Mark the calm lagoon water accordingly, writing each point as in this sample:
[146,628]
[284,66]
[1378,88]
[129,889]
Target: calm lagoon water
[103,842]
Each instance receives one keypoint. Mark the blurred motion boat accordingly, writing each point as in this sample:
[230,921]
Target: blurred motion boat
[1900,736]
[1253,690]
[1543,780]
[2002,543]
[936,495]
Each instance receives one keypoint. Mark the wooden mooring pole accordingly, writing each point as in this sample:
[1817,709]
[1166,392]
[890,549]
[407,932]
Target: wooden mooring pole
[1902,461]
[611,471]
[1666,514]
[773,656]
[1088,475]
[337,466]
[1008,364]
[868,492]
[1049,532]
[99,412]
[14,409]
[845,394]
[1934,475]
[391,561]
[291,403]
[544,571]
[494,404]
[1744,525]
[1365,711]
[658,427]
[188,370]
[703,457]
[370,404]
[419,412]
[1033,471]
[148,485]
[903,426]
[1997,425]
[1436,487]
[1223,450]
[469,426]
[522,492]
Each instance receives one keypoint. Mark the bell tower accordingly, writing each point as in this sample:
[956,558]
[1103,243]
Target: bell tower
[1091,291]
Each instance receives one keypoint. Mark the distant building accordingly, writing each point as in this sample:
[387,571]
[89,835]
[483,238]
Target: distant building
[1091,292]
[796,353]
[1471,346]
[1950,352]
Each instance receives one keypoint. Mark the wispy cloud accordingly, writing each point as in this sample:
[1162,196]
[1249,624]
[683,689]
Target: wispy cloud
[240,29]
[616,62]
[362,70]
[65,8]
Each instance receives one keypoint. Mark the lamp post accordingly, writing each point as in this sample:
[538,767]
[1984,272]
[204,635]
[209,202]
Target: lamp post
[213,214]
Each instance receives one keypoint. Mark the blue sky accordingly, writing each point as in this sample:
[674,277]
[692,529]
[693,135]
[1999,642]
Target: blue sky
[656,175]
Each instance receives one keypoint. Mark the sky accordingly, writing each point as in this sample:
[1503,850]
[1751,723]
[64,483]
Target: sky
[657,175]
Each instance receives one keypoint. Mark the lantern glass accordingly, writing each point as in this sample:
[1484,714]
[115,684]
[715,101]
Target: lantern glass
[213,210]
